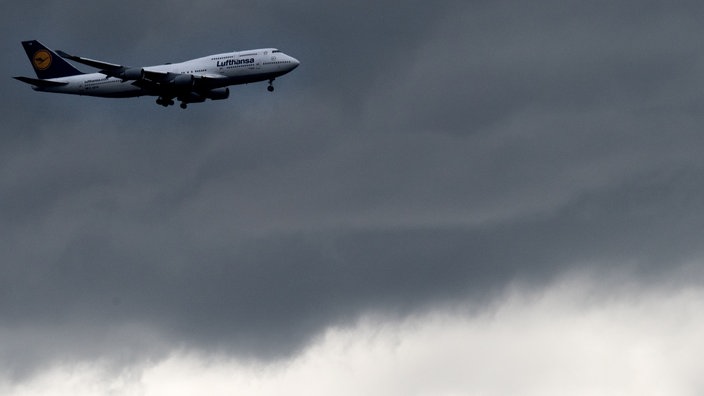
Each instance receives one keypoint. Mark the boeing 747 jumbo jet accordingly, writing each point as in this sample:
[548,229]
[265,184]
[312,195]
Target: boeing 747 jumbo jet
[192,81]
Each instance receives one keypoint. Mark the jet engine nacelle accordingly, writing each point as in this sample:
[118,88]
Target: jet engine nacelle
[133,73]
[218,94]
[192,97]
[183,81]
[198,97]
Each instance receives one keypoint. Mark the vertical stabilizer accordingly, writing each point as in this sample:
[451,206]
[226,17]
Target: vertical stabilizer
[46,63]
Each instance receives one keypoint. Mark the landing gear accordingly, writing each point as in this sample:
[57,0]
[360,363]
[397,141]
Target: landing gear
[164,101]
[270,88]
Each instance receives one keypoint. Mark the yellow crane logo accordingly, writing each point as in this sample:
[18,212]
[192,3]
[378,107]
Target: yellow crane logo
[41,59]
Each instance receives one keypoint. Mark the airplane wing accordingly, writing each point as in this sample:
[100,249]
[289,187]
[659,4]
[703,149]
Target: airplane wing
[105,66]
[162,83]
[115,70]
[211,76]
[160,76]
[158,80]
[141,76]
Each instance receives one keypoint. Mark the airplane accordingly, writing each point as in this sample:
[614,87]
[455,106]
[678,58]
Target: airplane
[192,81]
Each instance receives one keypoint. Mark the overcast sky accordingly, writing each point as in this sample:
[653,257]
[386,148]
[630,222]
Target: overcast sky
[445,198]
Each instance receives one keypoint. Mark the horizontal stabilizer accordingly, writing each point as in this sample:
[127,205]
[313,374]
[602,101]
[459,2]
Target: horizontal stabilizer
[41,83]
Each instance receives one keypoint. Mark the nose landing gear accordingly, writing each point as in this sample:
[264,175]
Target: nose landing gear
[270,88]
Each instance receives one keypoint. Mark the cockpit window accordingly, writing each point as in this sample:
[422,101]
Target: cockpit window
[275,51]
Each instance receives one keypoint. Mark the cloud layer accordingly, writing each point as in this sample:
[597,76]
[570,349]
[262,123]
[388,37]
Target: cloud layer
[422,156]
[566,338]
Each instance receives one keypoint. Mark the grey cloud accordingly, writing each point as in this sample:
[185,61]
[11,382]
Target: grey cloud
[483,65]
[421,154]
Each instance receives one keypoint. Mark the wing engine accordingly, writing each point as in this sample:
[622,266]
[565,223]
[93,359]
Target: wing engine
[132,73]
[183,81]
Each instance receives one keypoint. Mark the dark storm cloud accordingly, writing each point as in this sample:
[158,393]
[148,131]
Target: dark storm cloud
[419,154]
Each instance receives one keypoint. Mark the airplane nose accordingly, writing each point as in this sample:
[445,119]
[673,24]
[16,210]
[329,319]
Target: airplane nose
[295,62]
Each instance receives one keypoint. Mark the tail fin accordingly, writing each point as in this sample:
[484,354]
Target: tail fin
[46,63]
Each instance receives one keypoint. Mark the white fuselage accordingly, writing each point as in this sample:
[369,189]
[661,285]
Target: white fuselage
[220,70]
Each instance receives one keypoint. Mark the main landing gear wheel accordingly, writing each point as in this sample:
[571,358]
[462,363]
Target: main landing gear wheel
[164,102]
[183,105]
